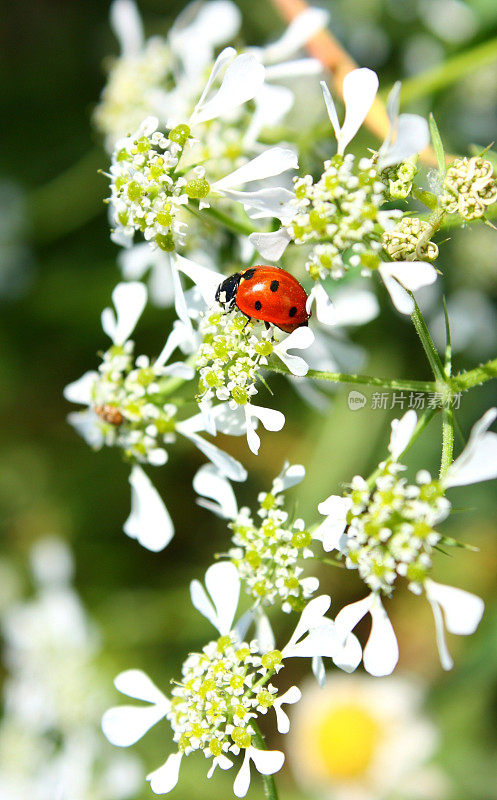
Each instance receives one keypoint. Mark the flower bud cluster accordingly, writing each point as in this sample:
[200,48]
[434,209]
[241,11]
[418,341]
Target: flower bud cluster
[391,528]
[221,691]
[126,400]
[267,554]
[146,189]
[230,356]
[133,86]
[469,187]
[400,178]
[408,238]
[340,212]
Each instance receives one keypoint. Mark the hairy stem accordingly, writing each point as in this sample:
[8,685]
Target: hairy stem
[270,789]
[428,345]
[447,440]
[475,377]
[362,380]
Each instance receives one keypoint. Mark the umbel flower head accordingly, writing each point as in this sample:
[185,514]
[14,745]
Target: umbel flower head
[469,187]
[213,708]
[268,548]
[342,215]
[152,176]
[128,407]
[388,529]
[232,355]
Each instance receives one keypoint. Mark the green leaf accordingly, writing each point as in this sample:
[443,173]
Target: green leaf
[437,144]
[427,198]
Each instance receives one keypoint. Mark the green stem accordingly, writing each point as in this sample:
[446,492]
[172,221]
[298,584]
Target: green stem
[363,380]
[423,422]
[270,789]
[428,345]
[447,440]
[439,77]
[475,377]
[237,226]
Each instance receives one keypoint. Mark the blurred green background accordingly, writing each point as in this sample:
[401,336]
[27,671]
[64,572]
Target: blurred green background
[57,273]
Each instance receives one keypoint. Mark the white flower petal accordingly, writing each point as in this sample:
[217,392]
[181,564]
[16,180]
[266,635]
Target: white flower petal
[81,391]
[264,632]
[359,91]
[270,202]
[242,780]
[332,529]
[320,641]
[318,670]
[225,463]
[312,616]
[290,476]
[300,339]
[129,301]
[413,275]
[242,80]
[291,696]
[413,135]
[195,39]
[354,307]
[178,334]
[382,651]
[223,584]
[127,26]
[294,69]
[85,423]
[443,651]
[136,683]
[478,460]
[267,762]
[351,615]
[349,655]
[224,57]
[271,105]
[149,521]
[331,109]
[401,299]
[206,279]
[208,482]
[272,161]
[302,28]
[271,419]
[271,245]
[165,778]
[462,610]
[125,725]
[325,310]
[402,431]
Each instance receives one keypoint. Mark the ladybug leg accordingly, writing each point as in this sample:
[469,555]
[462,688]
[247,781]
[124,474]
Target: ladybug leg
[268,326]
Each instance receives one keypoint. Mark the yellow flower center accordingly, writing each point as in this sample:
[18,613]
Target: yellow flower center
[347,737]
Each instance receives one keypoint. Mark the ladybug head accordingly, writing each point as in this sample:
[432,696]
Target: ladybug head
[226,291]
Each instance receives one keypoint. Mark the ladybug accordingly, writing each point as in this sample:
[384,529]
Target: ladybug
[269,294]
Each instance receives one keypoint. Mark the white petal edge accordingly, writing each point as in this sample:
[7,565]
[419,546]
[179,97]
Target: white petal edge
[382,651]
[149,521]
[271,245]
[209,482]
[271,162]
[164,779]
[299,339]
[129,301]
[81,391]
[242,80]
[325,310]
[136,683]
[478,460]
[402,432]
[123,726]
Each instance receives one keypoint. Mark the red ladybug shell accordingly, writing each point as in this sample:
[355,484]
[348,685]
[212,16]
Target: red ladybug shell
[272,295]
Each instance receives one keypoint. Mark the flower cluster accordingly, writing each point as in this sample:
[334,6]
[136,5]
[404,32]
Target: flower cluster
[232,352]
[341,210]
[145,189]
[391,527]
[221,690]
[400,178]
[268,551]
[388,529]
[469,187]
[410,237]
[267,554]
[224,688]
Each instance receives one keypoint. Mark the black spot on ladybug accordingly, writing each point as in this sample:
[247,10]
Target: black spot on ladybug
[274,286]
[292,311]
[258,305]
[248,274]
